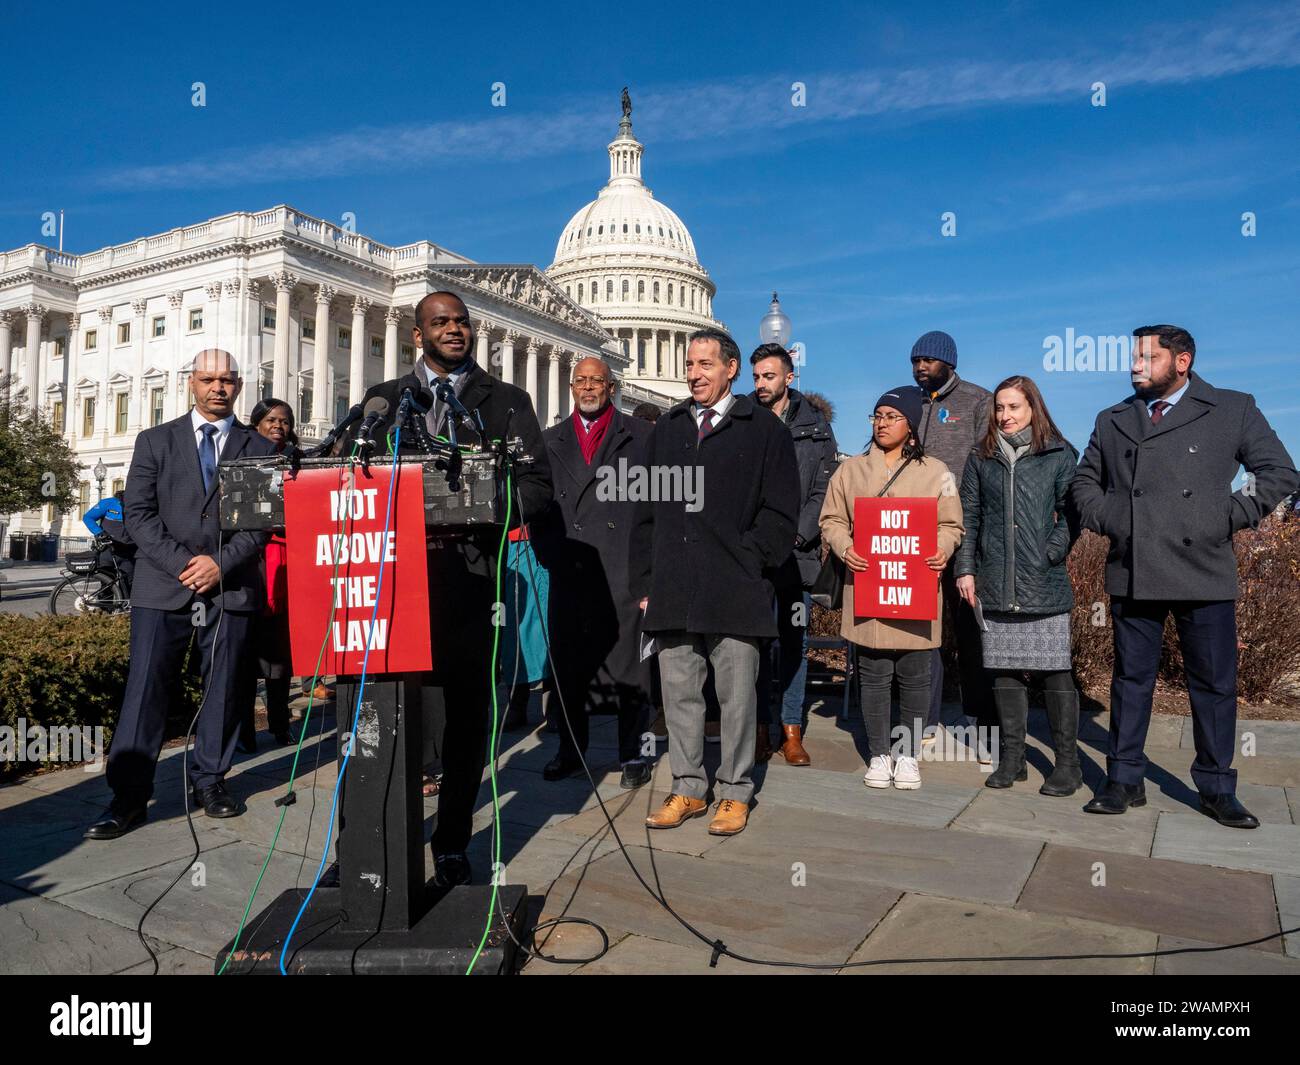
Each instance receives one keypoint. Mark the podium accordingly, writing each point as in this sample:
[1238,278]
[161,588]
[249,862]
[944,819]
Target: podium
[383,917]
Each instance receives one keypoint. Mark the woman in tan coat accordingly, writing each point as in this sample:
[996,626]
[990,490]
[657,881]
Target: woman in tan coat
[884,648]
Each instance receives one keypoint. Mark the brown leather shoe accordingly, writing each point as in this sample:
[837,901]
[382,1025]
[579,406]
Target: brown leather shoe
[675,810]
[762,745]
[792,749]
[731,818]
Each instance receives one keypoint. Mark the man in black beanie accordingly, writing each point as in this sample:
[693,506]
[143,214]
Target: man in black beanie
[954,420]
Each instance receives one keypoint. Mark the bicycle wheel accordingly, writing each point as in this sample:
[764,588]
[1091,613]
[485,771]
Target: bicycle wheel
[89,594]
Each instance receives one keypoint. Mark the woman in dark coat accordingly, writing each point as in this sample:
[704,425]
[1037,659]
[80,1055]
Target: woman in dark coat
[268,642]
[1012,560]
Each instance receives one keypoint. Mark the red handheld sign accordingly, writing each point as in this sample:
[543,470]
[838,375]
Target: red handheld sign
[334,529]
[896,536]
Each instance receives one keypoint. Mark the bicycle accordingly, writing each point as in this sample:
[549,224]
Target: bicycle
[94,583]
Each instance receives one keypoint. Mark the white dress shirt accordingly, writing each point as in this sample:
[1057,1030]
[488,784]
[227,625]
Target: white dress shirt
[719,411]
[197,421]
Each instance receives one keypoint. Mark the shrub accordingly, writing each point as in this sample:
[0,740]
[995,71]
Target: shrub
[70,671]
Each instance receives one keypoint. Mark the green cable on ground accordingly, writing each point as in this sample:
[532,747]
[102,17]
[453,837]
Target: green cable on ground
[492,753]
[293,769]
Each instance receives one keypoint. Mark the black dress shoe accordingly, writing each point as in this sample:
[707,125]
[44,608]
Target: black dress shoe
[216,801]
[450,870]
[635,774]
[285,738]
[1115,798]
[117,822]
[561,766]
[1228,811]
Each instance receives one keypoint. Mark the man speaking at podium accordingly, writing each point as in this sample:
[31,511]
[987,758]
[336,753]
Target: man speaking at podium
[462,565]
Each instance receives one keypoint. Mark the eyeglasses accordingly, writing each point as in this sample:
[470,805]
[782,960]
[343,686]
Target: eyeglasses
[595,382]
[888,419]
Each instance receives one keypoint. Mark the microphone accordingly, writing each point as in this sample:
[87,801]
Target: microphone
[375,411]
[323,448]
[415,399]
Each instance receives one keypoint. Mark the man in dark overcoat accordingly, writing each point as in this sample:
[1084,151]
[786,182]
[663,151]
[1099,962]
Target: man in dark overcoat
[594,621]
[1157,480]
[723,515]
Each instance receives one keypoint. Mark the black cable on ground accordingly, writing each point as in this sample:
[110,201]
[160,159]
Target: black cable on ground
[718,949]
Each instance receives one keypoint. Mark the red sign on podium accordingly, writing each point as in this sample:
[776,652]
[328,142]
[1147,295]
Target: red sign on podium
[334,530]
[896,536]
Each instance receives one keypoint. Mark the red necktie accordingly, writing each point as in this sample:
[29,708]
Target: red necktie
[706,424]
[1158,410]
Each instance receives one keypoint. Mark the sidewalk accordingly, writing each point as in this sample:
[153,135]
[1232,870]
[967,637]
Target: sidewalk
[827,871]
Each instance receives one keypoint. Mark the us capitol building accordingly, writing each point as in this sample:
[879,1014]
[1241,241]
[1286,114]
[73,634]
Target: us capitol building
[315,314]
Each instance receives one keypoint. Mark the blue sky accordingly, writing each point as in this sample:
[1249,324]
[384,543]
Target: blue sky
[1069,216]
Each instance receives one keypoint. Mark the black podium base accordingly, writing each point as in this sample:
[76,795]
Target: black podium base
[441,942]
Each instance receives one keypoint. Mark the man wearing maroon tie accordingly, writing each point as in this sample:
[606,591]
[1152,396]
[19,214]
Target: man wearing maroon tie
[1156,480]
[701,562]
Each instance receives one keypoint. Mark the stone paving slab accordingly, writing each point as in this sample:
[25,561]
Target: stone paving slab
[1173,898]
[924,927]
[204,916]
[1176,793]
[629,812]
[641,955]
[1293,800]
[1198,839]
[1239,962]
[174,962]
[61,862]
[1022,813]
[934,805]
[908,858]
[43,937]
[1272,739]
[28,812]
[1286,889]
[762,914]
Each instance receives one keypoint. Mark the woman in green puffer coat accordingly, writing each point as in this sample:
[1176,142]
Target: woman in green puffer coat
[1012,559]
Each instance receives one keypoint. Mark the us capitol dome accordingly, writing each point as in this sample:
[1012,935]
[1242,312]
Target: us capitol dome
[629,260]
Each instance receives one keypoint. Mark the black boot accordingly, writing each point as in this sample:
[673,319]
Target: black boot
[1063,717]
[1013,714]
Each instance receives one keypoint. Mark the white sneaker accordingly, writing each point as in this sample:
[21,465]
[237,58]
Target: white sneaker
[880,773]
[907,774]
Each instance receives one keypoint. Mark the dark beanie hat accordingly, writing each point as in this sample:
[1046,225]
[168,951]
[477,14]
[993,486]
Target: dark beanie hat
[908,400]
[936,345]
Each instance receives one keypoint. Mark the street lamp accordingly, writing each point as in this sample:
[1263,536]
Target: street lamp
[100,471]
[775,329]
[775,326]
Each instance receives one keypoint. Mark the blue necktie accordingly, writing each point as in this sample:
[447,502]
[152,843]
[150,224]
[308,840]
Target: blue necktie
[208,456]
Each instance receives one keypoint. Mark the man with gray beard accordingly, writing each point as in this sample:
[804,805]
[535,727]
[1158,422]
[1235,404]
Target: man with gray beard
[594,621]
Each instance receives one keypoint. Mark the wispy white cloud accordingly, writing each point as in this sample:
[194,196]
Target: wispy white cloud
[1259,39]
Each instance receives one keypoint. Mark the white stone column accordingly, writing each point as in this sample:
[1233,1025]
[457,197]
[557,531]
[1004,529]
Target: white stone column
[553,385]
[283,282]
[211,316]
[357,364]
[6,345]
[31,378]
[530,372]
[232,330]
[175,300]
[392,317]
[322,399]
[246,345]
[483,344]
[508,356]
[136,408]
[70,380]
